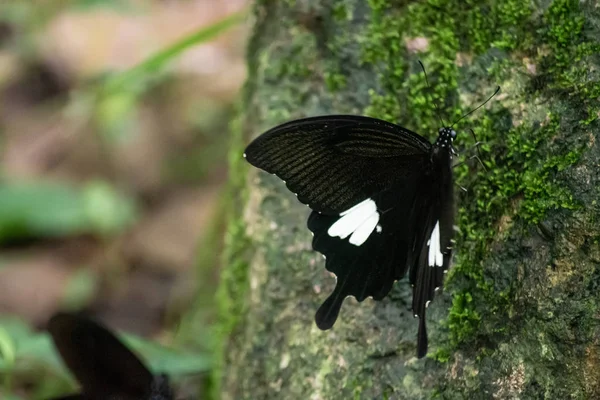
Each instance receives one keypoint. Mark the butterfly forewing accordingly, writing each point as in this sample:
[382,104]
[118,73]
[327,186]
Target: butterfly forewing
[103,366]
[332,163]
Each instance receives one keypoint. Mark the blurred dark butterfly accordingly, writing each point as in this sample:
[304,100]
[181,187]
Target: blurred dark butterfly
[103,366]
[382,201]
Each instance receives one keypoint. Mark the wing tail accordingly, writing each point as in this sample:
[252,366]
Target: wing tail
[328,313]
[427,279]
[422,338]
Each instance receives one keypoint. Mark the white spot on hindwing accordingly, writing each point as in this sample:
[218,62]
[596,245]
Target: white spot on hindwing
[436,258]
[357,222]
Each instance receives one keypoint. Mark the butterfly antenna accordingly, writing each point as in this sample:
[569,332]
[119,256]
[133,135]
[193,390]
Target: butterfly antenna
[475,109]
[429,86]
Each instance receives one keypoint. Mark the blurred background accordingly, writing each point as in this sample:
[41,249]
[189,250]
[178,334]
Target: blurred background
[114,122]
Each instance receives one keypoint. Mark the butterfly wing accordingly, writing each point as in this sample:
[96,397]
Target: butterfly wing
[370,269]
[334,162]
[103,366]
[432,242]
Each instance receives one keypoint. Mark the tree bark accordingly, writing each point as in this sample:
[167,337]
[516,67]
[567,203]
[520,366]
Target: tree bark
[519,316]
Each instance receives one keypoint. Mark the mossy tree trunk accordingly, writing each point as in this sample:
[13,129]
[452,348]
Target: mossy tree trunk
[519,317]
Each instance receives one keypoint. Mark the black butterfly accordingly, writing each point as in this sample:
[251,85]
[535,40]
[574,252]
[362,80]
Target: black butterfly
[382,201]
[103,366]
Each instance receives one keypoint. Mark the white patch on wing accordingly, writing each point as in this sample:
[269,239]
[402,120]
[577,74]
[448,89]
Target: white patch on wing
[364,230]
[436,258]
[357,222]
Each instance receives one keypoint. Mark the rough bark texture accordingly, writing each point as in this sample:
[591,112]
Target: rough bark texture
[519,317]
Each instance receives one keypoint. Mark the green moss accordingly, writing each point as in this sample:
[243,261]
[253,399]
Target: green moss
[463,319]
[290,55]
[496,26]
[527,153]
[569,60]
[527,175]
[442,355]
[338,38]
[233,286]
[383,45]
[503,25]
[525,161]
[527,169]
[302,48]
[335,81]
[383,106]
[342,12]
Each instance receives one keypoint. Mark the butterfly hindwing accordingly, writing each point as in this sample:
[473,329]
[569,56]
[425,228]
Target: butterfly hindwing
[432,243]
[103,366]
[370,267]
[334,162]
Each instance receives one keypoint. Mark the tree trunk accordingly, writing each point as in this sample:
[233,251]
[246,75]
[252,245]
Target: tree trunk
[519,317]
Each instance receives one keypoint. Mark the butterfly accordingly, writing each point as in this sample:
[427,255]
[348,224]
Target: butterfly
[382,203]
[104,367]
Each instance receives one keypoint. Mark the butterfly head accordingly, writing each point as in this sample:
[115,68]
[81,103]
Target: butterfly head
[446,136]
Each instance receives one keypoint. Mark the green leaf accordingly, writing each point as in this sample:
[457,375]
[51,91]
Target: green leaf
[161,359]
[107,211]
[117,98]
[25,347]
[87,5]
[80,289]
[45,209]
[152,65]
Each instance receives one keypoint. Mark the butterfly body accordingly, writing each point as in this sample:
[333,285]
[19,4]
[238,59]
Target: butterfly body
[382,201]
